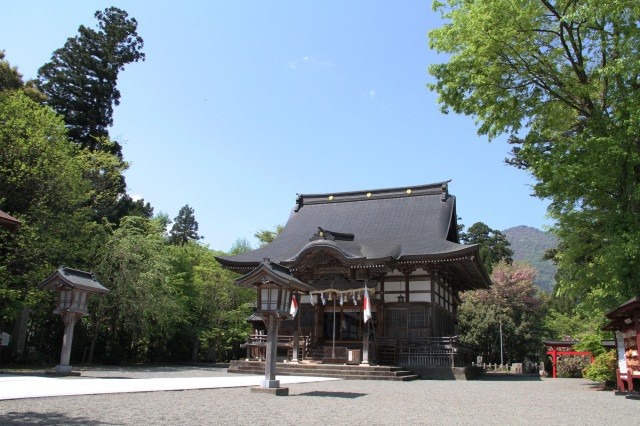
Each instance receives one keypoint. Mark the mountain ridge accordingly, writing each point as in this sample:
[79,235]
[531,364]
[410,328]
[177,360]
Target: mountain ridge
[529,245]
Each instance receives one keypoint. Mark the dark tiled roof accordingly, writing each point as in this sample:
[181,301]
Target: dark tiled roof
[625,309]
[273,271]
[74,278]
[9,222]
[368,227]
[622,313]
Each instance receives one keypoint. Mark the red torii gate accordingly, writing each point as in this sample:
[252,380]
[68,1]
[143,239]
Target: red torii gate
[554,352]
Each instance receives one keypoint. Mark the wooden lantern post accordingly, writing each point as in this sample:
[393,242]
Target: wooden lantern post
[73,287]
[275,287]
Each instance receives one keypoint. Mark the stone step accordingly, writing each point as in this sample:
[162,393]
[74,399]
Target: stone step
[349,372]
[327,372]
[406,378]
[320,366]
[312,366]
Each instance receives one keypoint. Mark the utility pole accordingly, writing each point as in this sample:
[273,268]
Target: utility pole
[501,351]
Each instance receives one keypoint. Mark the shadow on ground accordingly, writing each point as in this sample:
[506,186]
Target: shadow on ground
[346,395]
[48,418]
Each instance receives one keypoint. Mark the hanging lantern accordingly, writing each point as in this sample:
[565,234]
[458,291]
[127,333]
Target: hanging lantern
[341,299]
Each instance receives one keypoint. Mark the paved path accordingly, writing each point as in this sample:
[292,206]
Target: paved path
[18,387]
[491,401]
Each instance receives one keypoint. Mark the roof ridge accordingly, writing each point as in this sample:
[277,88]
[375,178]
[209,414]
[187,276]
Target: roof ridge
[66,270]
[438,188]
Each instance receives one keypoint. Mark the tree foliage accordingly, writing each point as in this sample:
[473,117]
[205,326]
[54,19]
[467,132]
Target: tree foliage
[80,81]
[603,368]
[185,227]
[241,245]
[41,183]
[11,79]
[266,236]
[167,302]
[561,77]
[512,301]
[142,308]
[494,246]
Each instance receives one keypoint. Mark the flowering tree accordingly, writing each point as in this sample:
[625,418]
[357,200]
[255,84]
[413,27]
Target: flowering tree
[512,303]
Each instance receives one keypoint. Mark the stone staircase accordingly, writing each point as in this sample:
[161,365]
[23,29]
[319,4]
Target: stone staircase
[342,371]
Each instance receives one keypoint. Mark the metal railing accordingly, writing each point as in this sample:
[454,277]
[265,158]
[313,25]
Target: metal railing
[434,352]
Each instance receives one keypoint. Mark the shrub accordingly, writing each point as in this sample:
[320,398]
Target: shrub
[603,368]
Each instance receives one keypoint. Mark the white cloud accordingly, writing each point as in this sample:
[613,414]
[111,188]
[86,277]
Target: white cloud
[310,62]
[372,93]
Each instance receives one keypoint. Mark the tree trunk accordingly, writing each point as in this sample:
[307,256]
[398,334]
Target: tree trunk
[194,350]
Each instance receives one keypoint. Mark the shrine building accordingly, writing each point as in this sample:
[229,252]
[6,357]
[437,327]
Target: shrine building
[402,245]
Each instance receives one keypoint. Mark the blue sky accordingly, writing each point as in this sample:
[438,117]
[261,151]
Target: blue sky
[240,105]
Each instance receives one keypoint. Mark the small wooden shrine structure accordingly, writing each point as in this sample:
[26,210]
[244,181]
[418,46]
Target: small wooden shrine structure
[399,245]
[9,222]
[625,323]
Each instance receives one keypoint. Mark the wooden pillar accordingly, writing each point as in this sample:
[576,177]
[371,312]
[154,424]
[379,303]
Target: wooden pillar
[296,337]
[406,286]
[365,344]
[554,358]
[637,324]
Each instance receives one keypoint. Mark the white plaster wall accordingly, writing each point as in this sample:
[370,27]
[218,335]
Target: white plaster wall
[420,297]
[393,286]
[419,285]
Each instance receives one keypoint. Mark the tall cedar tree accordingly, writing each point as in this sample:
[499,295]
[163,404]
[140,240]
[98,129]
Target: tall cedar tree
[494,246]
[80,81]
[185,227]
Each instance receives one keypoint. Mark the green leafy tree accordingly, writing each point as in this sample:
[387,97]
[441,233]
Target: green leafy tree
[11,79]
[185,227]
[241,245]
[512,302]
[80,81]
[494,246]
[563,319]
[143,310]
[562,79]
[266,236]
[216,307]
[42,183]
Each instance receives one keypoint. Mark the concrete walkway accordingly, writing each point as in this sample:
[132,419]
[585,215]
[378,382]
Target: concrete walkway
[19,387]
[492,400]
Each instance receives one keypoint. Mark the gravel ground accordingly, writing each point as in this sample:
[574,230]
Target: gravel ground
[495,400]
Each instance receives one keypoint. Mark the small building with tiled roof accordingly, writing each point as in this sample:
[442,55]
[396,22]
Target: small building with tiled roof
[9,222]
[400,243]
